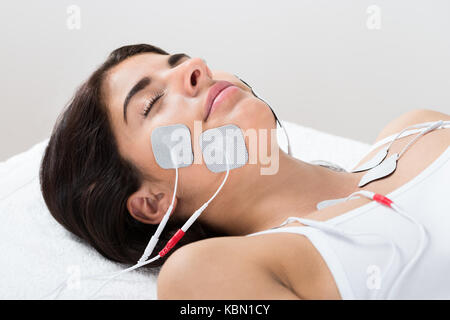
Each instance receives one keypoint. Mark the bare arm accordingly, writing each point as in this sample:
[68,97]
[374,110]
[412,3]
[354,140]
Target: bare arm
[214,269]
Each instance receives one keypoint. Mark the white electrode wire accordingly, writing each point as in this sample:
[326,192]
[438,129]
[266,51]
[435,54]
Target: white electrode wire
[323,226]
[143,263]
[430,126]
[420,247]
[147,252]
[433,126]
[184,228]
[223,181]
[414,126]
[57,291]
[197,213]
[137,265]
[155,238]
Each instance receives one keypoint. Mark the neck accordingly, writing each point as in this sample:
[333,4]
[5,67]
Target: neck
[267,200]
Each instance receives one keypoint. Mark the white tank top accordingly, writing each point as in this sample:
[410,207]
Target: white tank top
[359,264]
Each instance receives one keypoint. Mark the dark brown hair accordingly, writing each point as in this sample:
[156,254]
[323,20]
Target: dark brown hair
[86,182]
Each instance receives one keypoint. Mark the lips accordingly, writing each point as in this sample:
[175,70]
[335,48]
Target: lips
[213,93]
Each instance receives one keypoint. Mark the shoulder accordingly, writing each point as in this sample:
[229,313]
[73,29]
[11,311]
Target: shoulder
[409,118]
[220,268]
[434,142]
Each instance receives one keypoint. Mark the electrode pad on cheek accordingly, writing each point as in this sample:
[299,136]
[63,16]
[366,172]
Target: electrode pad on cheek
[223,147]
[172,140]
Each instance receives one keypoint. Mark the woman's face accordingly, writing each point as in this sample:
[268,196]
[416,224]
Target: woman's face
[182,84]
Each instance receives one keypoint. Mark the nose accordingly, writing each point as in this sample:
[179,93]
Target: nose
[195,76]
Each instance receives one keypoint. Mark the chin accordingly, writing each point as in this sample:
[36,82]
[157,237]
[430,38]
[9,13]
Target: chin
[252,113]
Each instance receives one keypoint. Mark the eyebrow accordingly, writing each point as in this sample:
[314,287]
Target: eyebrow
[145,81]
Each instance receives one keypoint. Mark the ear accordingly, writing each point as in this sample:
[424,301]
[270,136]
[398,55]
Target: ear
[148,207]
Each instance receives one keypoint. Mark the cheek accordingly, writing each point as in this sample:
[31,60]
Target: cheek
[143,156]
[139,151]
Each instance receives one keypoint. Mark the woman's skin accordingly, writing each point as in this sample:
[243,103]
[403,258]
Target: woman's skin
[247,196]
[275,266]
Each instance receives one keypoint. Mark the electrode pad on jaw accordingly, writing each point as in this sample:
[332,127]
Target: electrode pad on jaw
[221,145]
[173,138]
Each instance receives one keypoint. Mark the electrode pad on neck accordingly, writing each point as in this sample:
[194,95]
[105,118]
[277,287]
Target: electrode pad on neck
[218,143]
[173,138]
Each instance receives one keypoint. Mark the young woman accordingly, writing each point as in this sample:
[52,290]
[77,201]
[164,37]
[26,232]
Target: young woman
[100,180]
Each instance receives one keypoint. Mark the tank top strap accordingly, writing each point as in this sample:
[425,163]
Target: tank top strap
[321,243]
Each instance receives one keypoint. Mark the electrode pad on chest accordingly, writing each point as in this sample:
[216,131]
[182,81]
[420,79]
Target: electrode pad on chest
[223,146]
[176,139]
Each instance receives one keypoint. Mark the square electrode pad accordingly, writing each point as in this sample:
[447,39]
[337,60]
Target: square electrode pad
[175,139]
[218,143]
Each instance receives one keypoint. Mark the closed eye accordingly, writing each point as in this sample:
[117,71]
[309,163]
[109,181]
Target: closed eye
[150,103]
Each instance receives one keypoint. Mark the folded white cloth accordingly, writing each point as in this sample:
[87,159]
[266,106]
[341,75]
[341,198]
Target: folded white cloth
[37,254]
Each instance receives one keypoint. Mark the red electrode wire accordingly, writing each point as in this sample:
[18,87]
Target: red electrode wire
[171,243]
[382,199]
